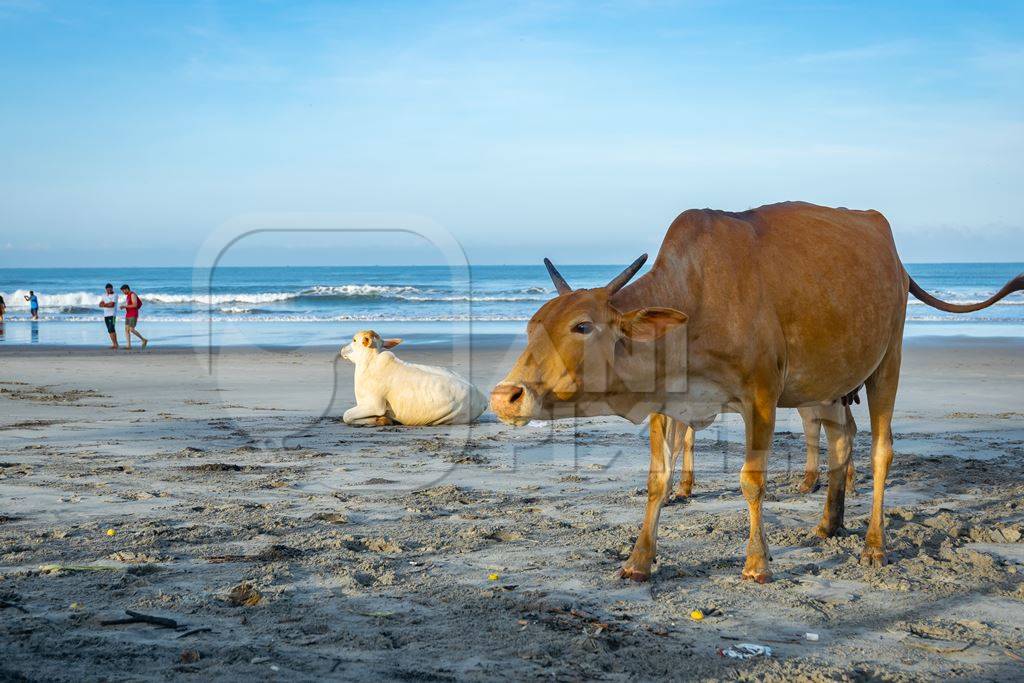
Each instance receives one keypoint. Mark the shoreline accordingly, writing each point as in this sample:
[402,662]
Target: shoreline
[327,332]
[429,343]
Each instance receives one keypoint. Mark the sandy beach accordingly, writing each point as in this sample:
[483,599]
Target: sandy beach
[224,494]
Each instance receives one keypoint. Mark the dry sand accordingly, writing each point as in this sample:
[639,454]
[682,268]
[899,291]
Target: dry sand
[305,549]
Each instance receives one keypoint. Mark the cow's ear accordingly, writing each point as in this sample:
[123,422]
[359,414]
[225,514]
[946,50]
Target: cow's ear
[391,343]
[648,324]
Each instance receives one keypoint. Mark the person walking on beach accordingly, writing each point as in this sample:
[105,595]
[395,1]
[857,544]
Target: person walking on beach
[108,304]
[3,309]
[132,304]
[33,304]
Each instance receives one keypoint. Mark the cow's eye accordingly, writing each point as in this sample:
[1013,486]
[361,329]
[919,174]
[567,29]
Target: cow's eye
[583,327]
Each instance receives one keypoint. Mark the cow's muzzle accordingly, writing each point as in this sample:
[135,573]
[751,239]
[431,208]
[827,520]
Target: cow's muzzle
[514,404]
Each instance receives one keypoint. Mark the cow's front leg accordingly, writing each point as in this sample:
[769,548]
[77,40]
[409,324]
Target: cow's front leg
[685,487]
[666,440]
[760,424]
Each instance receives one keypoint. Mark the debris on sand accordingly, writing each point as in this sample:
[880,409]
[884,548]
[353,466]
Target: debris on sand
[935,645]
[272,553]
[745,651]
[70,568]
[378,481]
[43,394]
[221,467]
[243,595]
[140,618]
[330,517]
[133,557]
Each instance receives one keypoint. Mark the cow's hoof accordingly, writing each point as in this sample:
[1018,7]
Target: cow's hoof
[809,484]
[825,531]
[763,576]
[873,557]
[634,574]
[678,498]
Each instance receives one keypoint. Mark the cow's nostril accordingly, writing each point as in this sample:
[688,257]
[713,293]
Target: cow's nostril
[507,395]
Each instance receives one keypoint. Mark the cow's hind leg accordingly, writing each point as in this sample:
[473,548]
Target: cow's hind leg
[851,434]
[812,436]
[881,391]
[760,424]
[666,442]
[685,487]
[840,446]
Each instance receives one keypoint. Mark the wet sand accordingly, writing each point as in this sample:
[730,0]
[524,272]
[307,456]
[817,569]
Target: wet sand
[287,545]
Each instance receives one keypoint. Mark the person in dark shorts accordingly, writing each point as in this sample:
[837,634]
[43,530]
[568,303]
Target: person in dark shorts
[108,304]
[33,304]
[132,304]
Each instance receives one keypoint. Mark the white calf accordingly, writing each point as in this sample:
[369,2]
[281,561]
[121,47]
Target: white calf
[391,390]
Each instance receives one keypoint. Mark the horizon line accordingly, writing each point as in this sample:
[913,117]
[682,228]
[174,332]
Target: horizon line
[434,265]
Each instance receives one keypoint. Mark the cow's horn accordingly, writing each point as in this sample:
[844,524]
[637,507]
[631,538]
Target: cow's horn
[560,284]
[620,280]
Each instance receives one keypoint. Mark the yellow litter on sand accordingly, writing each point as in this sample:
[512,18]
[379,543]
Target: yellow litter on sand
[111,532]
[493,577]
[696,615]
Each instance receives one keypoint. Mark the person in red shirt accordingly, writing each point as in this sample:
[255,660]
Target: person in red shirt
[132,304]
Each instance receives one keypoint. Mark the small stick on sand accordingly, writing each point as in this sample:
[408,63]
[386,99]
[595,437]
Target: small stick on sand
[139,618]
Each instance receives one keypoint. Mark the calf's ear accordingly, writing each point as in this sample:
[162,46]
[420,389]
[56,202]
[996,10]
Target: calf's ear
[648,324]
[391,343]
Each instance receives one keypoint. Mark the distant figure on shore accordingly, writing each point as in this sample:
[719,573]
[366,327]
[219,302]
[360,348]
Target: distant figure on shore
[3,309]
[390,391]
[132,304]
[33,304]
[108,304]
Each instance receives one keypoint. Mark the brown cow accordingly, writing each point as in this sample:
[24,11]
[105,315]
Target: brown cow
[787,305]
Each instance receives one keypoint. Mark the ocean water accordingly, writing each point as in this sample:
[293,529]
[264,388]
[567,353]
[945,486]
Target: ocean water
[314,305]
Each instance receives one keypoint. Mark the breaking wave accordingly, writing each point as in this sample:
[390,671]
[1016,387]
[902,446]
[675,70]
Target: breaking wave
[71,301]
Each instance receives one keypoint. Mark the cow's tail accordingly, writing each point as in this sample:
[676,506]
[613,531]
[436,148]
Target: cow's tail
[1014,285]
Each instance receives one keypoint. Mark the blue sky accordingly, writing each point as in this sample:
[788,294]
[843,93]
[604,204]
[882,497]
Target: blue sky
[575,130]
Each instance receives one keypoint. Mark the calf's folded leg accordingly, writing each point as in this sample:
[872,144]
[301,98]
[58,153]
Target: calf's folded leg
[365,413]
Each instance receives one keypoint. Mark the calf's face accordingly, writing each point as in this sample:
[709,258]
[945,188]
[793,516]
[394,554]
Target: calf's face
[365,344]
[576,346]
